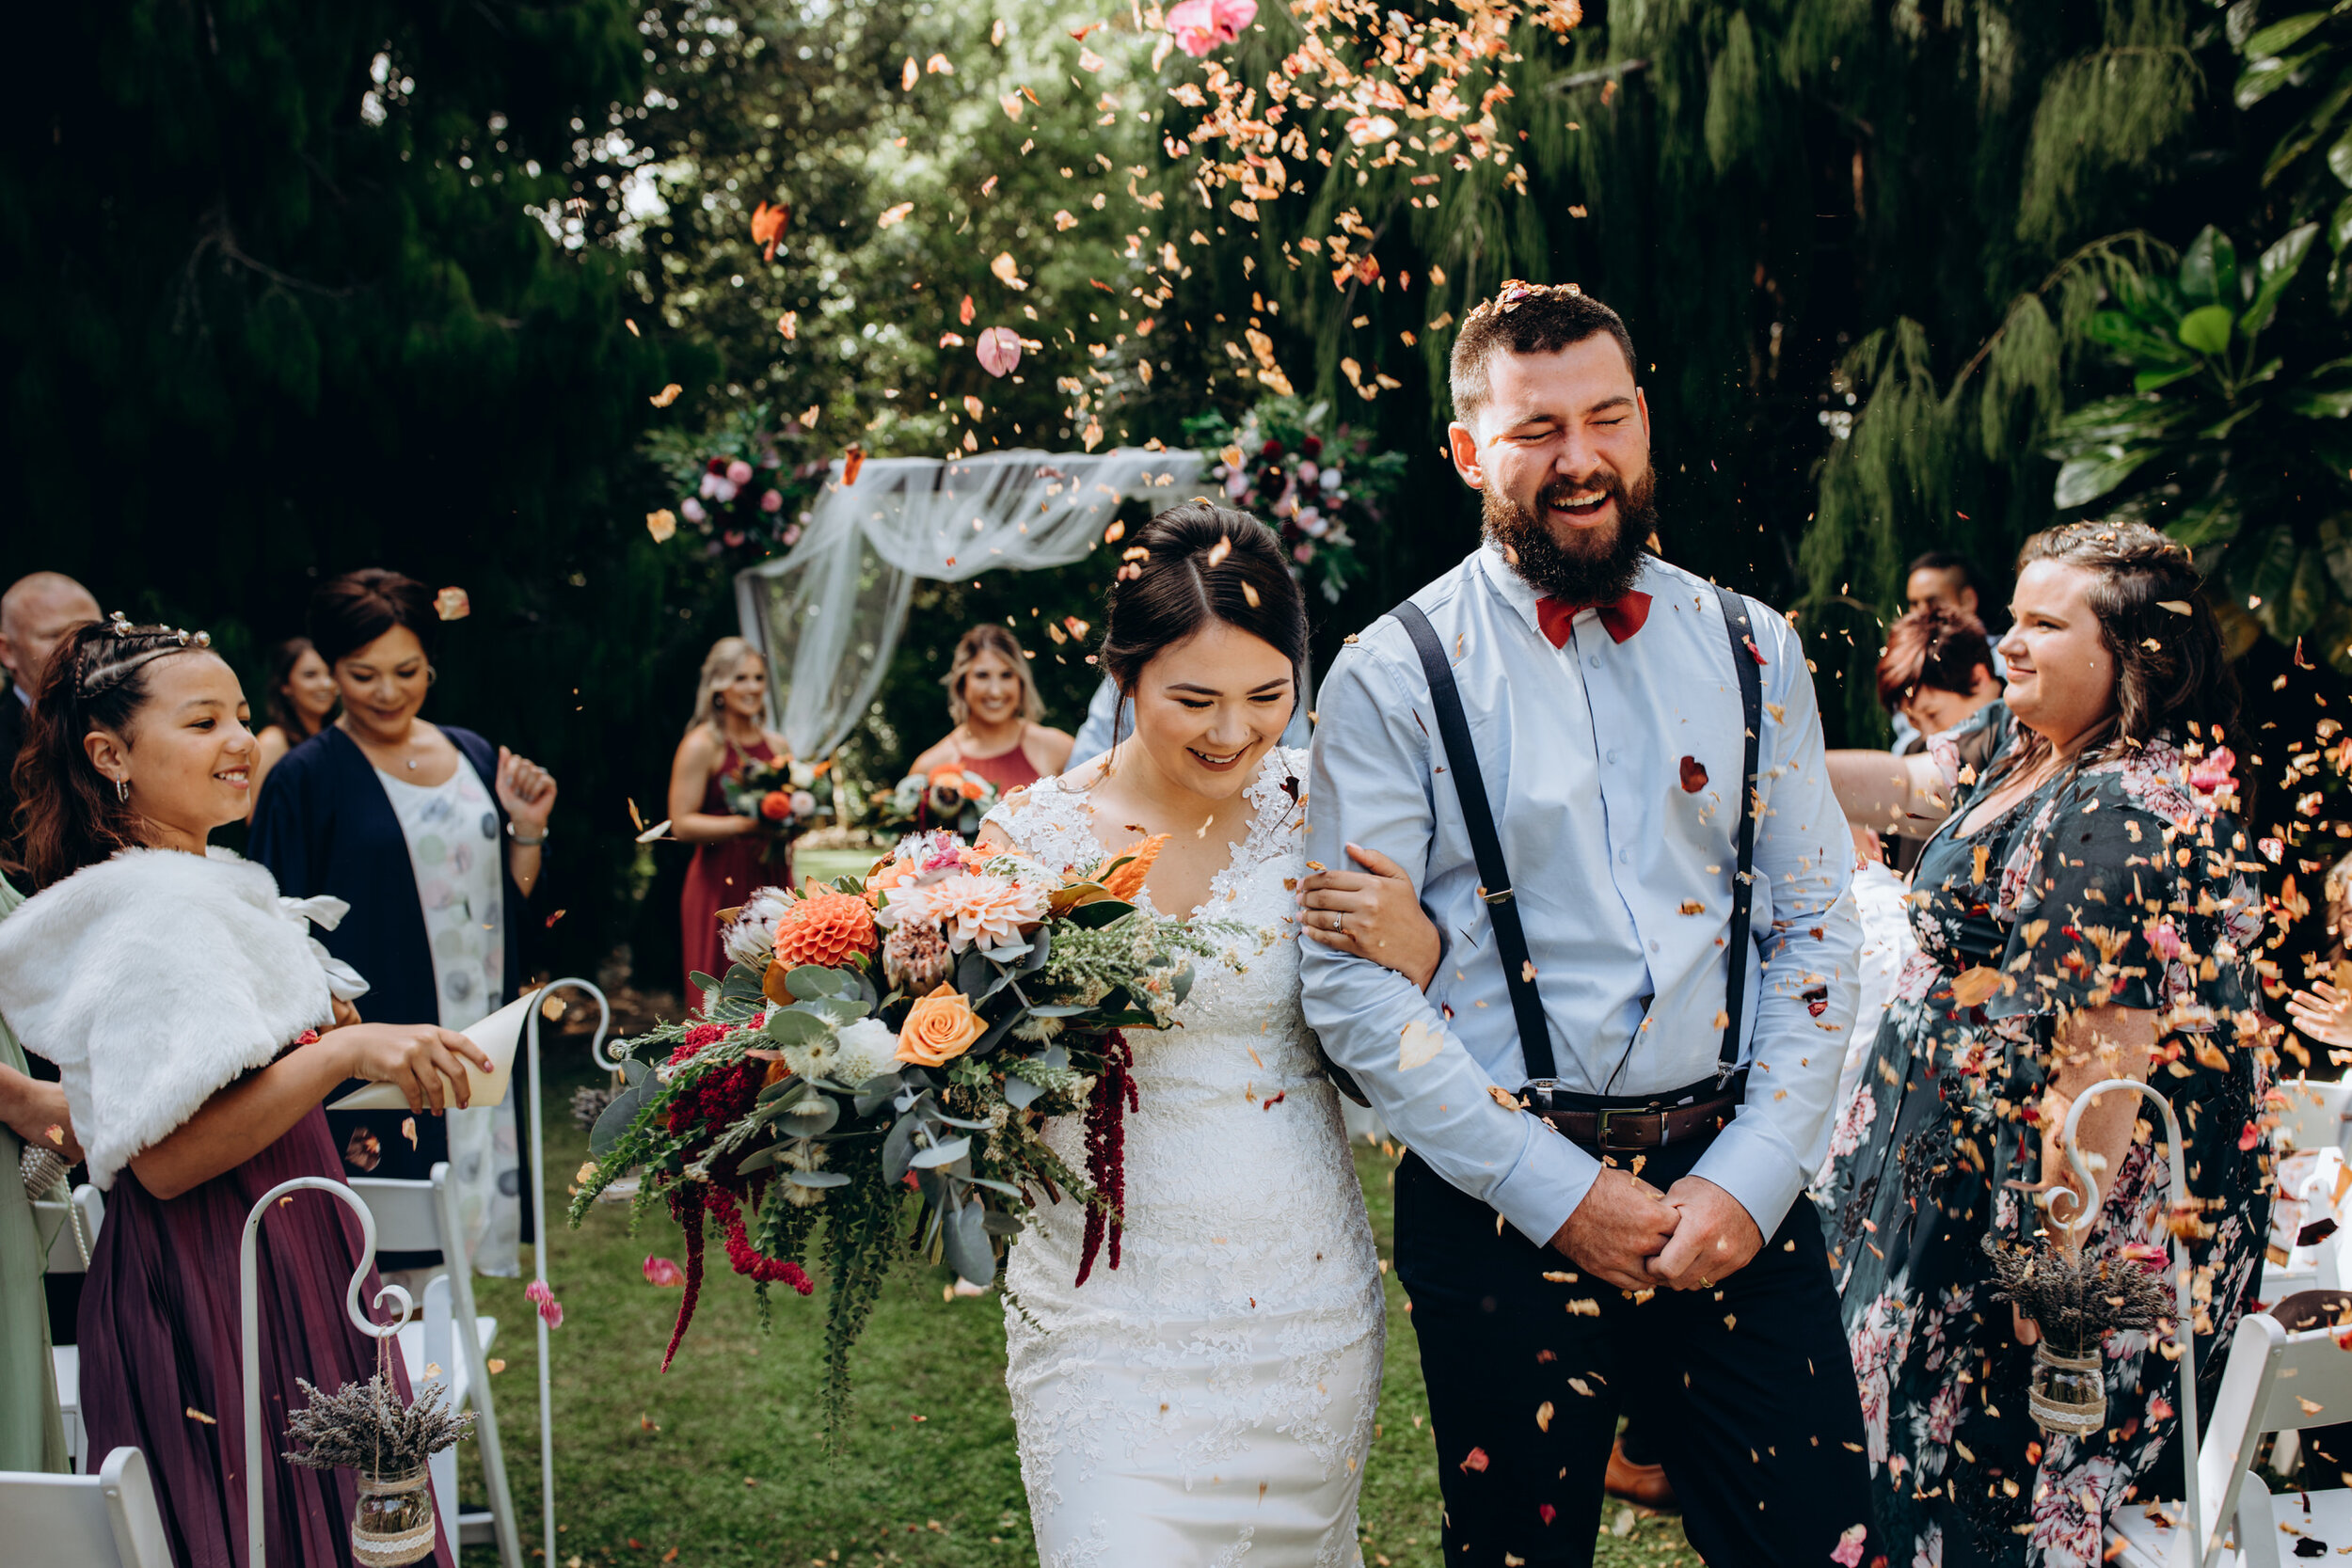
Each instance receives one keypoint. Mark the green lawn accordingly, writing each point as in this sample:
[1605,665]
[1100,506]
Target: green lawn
[721,1462]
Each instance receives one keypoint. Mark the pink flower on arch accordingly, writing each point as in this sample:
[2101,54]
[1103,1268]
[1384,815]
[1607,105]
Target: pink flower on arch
[537,1293]
[1200,26]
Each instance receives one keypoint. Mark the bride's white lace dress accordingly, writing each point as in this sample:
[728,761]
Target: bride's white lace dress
[1208,1403]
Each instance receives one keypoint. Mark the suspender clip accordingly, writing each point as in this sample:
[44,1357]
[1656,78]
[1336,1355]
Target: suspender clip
[1496,898]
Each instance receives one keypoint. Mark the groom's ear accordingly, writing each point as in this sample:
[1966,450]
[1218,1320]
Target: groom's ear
[1462,446]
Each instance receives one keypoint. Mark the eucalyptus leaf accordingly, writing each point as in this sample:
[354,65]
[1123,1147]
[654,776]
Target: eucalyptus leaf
[999,1222]
[809,981]
[615,1121]
[1041,947]
[1055,1056]
[898,1154]
[1062,1009]
[941,1154]
[816,1179]
[964,1236]
[875,1093]
[816,1114]
[758,1159]
[1007,1188]
[1020,1093]
[794,1026]
[995,1035]
[782,1088]
[974,972]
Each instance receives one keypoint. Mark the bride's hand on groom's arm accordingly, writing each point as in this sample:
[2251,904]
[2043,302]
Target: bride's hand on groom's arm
[1373,913]
[1618,1231]
[1716,1238]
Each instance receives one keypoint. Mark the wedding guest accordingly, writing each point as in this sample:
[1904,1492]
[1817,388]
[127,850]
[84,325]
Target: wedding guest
[1000,732]
[434,840]
[1936,673]
[2084,914]
[33,1115]
[36,613]
[192,1075]
[301,699]
[1950,580]
[726,732]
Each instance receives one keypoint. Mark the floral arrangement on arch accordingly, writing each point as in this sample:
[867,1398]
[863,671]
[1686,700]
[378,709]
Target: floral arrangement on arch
[950,798]
[898,1041]
[783,797]
[1306,477]
[742,488]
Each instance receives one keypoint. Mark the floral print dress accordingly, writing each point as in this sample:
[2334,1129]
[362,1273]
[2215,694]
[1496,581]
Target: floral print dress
[2117,883]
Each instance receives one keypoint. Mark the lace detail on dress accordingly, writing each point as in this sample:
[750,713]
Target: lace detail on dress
[1238,1344]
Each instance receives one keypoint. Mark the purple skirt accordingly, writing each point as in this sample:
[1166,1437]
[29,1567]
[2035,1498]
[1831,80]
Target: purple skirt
[161,1333]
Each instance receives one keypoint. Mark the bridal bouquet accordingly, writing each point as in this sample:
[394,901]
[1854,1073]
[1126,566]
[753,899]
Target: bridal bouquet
[950,798]
[782,796]
[908,1031]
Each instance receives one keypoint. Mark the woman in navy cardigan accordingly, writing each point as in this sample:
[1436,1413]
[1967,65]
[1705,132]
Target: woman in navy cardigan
[434,838]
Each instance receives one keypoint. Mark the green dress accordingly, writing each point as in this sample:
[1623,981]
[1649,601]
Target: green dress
[31,1435]
[2117,882]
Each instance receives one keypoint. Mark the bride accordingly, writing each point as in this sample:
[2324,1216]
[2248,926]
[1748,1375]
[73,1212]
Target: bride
[1211,1397]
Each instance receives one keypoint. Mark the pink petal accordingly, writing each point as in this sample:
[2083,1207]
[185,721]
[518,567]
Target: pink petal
[664,1272]
[1231,16]
[999,348]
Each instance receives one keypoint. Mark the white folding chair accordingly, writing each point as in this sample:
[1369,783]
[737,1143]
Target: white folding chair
[2276,1381]
[70,1250]
[109,1520]
[2316,1115]
[449,1346]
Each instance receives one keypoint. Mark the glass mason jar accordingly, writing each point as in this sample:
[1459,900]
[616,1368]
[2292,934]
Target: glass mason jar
[2070,1392]
[393,1522]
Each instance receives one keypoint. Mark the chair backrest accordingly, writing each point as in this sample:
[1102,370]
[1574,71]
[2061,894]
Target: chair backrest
[2316,1115]
[109,1520]
[408,1213]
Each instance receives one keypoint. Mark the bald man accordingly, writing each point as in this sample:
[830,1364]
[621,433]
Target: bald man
[36,613]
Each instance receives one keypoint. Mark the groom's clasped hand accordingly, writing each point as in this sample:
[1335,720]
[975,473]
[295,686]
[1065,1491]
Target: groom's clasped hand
[1691,1237]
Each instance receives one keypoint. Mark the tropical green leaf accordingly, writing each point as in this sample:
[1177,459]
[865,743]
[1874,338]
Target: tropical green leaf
[2318,123]
[2335,548]
[2279,266]
[2206,330]
[2280,36]
[2208,272]
[2214,521]
[2113,423]
[2084,480]
[2220,429]
[2274,557]
[2339,225]
[2306,596]
[2263,77]
[2150,381]
[2326,393]
[2136,338]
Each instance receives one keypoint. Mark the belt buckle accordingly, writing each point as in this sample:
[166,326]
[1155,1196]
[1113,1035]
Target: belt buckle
[1600,1130]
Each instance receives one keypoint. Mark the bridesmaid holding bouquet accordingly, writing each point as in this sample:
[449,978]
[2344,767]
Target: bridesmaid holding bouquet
[728,732]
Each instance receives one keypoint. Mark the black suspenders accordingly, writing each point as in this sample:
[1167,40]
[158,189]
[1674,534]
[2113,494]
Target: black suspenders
[1495,878]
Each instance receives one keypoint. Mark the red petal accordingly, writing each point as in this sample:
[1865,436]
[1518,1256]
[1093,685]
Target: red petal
[1693,775]
[1476,1460]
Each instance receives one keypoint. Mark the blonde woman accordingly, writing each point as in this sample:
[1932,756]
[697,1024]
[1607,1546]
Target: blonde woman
[726,731]
[999,731]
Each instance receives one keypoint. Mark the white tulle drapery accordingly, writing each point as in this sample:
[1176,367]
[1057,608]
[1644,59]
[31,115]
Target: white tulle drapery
[829,614]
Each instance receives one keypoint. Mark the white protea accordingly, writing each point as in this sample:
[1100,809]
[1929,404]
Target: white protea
[749,938]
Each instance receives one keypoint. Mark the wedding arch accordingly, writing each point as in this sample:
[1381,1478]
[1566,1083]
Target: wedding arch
[829,614]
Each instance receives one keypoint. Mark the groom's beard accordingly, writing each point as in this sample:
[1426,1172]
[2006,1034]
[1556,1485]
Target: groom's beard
[1593,568]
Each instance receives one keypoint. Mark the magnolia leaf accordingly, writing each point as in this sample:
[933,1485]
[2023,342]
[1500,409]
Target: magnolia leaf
[2206,330]
[1101,912]
[2084,480]
[2279,266]
[615,1118]
[2208,273]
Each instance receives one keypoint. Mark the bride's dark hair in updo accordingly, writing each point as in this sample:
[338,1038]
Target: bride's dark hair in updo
[1201,562]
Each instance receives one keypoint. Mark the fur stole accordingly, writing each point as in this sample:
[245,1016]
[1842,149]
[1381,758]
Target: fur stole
[156,978]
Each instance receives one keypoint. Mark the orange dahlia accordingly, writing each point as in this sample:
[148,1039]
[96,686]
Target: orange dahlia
[825,928]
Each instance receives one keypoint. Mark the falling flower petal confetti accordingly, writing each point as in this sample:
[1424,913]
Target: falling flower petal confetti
[450,604]
[998,350]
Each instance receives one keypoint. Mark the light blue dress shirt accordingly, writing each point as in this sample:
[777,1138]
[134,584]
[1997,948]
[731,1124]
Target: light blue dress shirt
[1623,881]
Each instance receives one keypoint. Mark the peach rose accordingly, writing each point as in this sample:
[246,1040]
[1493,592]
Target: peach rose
[939,1028]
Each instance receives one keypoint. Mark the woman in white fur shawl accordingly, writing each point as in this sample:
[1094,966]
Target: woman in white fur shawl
[196,1028]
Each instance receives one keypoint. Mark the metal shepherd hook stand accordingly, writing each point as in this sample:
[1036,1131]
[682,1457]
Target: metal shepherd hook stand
[248,1276]
[256,1449]
[2191,1544]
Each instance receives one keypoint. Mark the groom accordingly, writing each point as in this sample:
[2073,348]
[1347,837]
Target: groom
[1615,1086]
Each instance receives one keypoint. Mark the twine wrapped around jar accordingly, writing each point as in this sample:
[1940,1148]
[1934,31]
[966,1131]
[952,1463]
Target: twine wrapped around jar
[393,1522]
[2069,1393]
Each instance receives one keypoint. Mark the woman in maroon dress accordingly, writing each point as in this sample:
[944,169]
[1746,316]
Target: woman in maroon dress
[726,732]
[1000,732]
[184,1001]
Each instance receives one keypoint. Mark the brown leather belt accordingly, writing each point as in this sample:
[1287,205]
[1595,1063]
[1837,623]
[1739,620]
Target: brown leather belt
[1638,1125]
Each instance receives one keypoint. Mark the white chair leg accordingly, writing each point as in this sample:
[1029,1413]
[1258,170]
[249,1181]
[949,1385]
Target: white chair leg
[460,1276]
[440,1349]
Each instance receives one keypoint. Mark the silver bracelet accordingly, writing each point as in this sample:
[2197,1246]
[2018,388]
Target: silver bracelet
[522,843]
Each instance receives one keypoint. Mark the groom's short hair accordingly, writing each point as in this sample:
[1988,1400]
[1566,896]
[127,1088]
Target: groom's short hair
[1526,318]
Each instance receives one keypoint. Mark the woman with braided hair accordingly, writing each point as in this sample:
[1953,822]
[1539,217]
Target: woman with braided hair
[2083,913]
[195,1025]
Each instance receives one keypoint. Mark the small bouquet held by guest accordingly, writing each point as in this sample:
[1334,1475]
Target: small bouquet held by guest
[911,1030]
[951,799]
[783,797]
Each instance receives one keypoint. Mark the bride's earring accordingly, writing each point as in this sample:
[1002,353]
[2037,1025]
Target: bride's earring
[123,791]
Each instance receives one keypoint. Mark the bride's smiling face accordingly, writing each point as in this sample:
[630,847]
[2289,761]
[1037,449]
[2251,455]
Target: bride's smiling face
[1208,708]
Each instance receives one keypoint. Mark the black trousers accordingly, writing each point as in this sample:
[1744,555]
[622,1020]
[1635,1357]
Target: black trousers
[1750,1383]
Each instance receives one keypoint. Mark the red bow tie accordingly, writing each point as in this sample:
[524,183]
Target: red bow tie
[1623,617]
